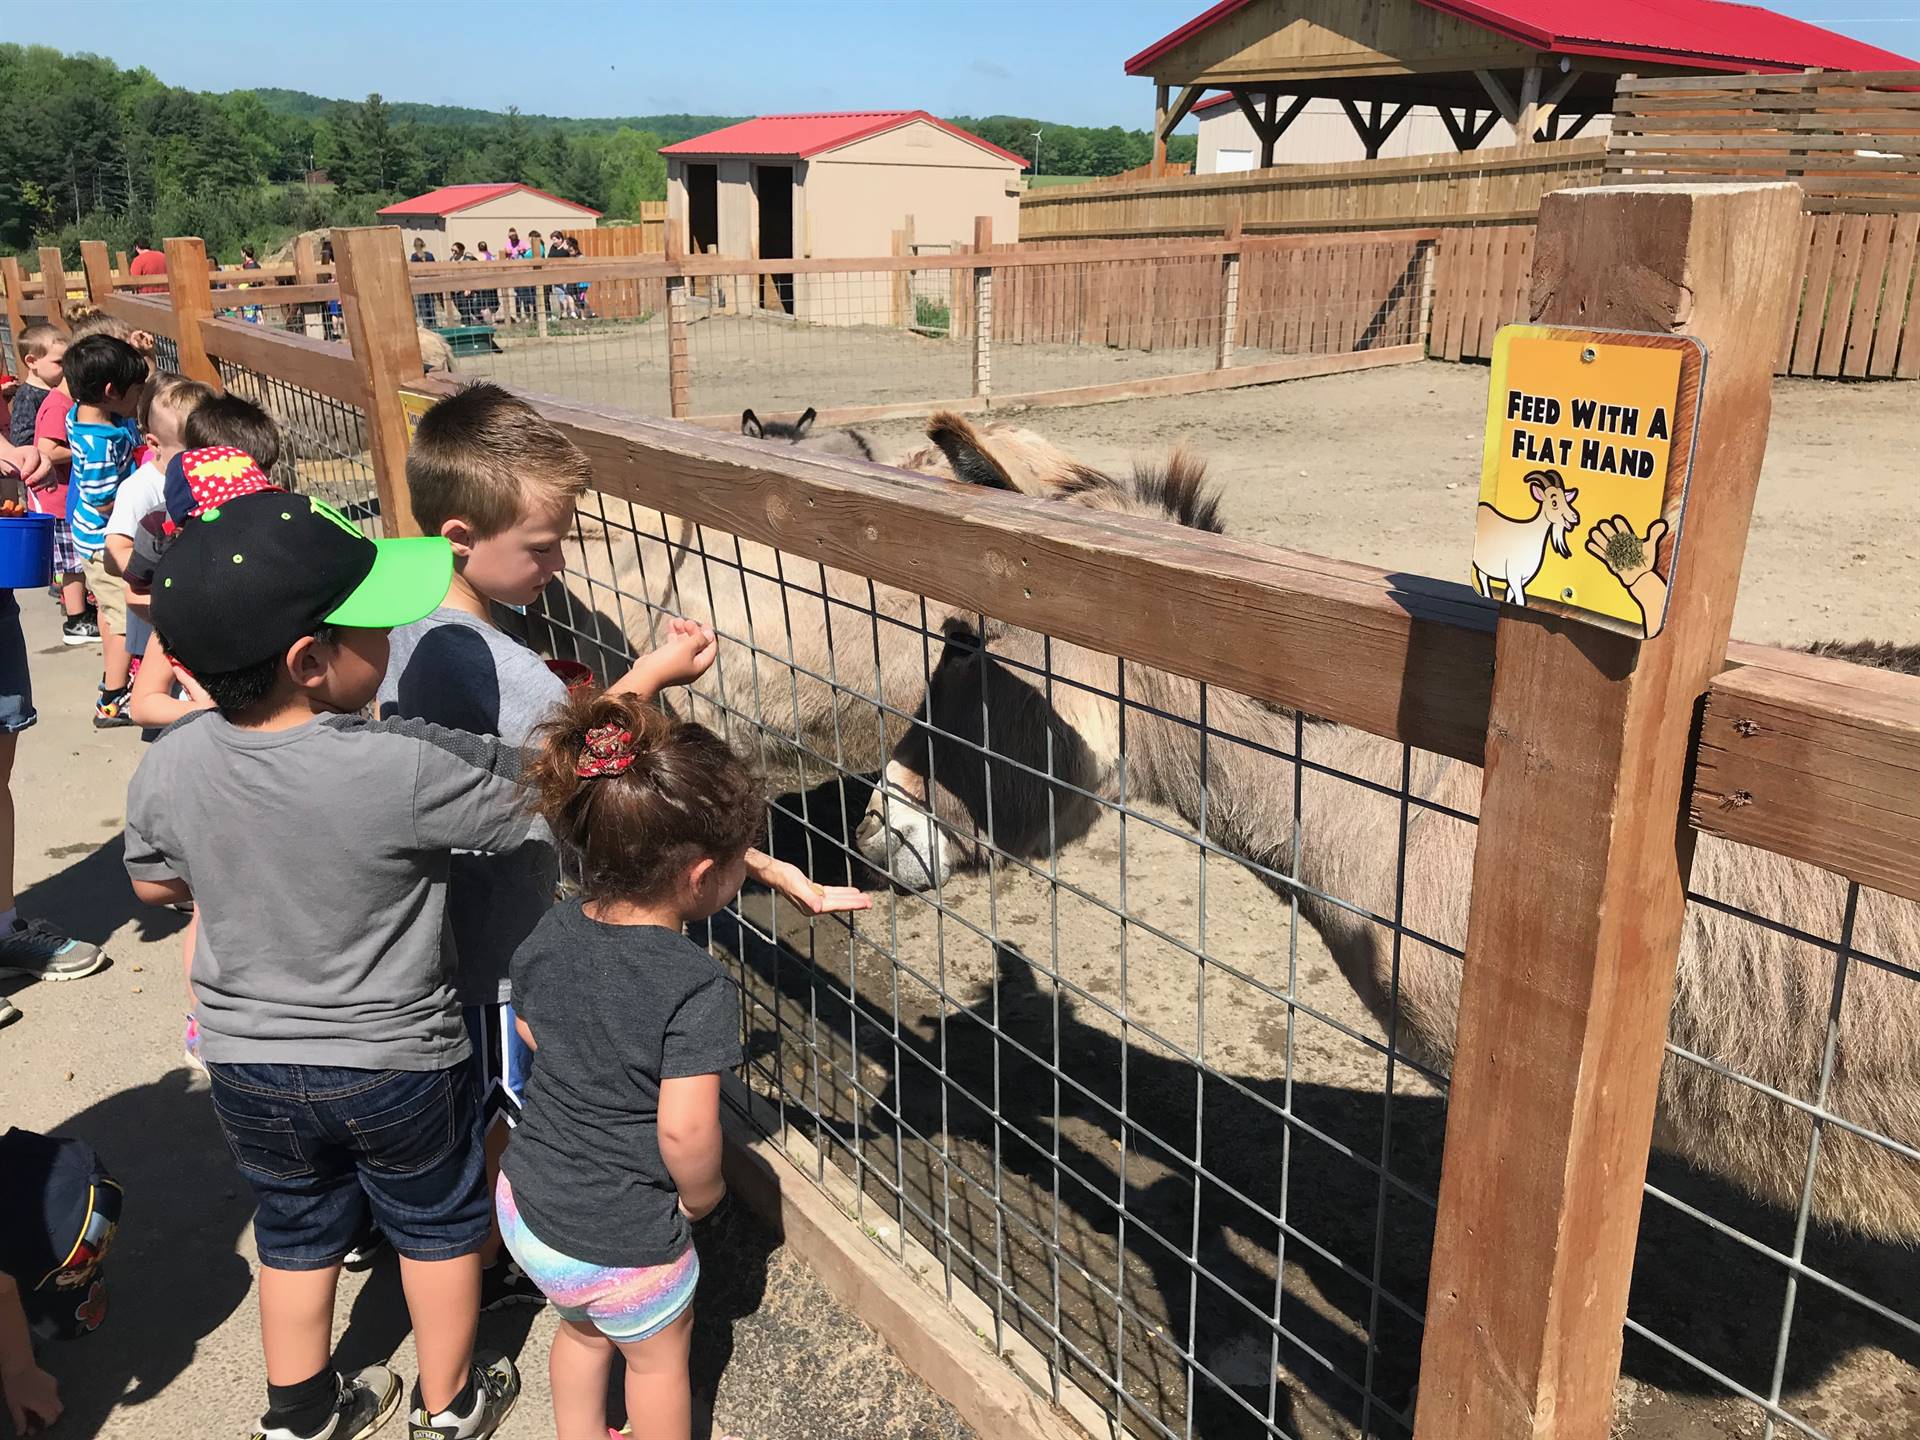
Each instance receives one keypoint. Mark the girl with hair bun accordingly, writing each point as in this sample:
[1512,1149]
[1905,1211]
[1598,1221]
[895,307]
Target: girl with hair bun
[618,1149]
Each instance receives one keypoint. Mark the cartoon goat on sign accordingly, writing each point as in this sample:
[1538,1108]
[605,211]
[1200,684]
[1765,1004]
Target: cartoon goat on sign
[1510,550]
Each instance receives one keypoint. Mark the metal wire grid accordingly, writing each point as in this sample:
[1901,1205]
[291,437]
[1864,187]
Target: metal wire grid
[166,355]
[1044,1138]
[9,355]
[1783,1376]
[323,443]
[1331,299]
[778,344]
[598,360]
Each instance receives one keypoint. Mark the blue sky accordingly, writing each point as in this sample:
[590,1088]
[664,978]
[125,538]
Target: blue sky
[1057,59]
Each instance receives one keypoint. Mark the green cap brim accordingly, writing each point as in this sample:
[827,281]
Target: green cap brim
[408,581]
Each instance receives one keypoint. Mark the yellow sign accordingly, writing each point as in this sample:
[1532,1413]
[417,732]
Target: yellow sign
[1583,481]
[413,405]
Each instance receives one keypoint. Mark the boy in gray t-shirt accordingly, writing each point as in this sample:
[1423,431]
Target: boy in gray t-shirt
[488,472]
[317,844]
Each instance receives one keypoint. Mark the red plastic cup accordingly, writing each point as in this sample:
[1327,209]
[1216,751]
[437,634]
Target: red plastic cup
[575,676]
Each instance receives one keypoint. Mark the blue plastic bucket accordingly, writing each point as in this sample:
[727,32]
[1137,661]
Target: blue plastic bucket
[26,551]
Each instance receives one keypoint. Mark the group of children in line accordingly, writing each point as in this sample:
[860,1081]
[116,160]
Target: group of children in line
[369,794]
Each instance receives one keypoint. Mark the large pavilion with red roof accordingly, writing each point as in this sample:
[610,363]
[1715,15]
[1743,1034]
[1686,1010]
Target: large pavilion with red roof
[1544,66]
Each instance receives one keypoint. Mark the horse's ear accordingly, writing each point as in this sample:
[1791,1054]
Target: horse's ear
[750,425]
[972,465]
[804,424]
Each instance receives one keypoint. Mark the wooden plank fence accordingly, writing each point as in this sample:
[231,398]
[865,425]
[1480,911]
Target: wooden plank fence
[1850,140]
[1856,311]
[1480,186]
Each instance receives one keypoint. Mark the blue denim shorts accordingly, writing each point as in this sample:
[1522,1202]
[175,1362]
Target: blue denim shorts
[16,684]
[324,1148]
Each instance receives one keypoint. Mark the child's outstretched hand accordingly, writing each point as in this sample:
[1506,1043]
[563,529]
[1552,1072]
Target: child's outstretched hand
[792,882]
[683,657]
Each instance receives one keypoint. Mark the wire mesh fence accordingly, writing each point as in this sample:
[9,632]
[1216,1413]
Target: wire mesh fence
[1093,1057]
[10,359]
[324,447]
[586,341]
[1801,1215]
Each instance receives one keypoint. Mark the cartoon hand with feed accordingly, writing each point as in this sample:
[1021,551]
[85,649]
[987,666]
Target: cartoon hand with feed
[1631,558]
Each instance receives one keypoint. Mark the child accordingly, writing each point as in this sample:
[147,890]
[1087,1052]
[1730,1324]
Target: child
[105,377]
[43,350]
[632,1025]
[320,842]
[500,483]
[224,421]
[59,1210]
[164,408]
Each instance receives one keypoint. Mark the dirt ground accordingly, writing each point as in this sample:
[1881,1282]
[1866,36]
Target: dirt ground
[179,1353]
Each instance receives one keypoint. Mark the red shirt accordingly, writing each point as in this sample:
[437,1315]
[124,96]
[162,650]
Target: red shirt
[149,262]
[50,423]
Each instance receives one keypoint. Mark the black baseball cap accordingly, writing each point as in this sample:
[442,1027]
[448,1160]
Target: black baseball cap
[243,580]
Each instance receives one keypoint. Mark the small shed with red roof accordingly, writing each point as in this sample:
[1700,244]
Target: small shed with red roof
[472,213]
[1545,67]
[836,186]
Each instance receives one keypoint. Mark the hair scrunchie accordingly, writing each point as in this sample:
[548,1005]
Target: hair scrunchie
[608,751]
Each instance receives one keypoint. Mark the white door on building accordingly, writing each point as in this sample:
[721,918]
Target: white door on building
[1229,160]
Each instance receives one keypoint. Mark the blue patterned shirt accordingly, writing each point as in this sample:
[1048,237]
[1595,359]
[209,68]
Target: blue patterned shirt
[102,458]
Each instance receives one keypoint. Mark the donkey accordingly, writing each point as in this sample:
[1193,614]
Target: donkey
[1511,550]
[848,442]
[1747,995]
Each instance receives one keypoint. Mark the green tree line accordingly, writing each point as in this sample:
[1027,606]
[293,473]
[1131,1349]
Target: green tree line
[93,151]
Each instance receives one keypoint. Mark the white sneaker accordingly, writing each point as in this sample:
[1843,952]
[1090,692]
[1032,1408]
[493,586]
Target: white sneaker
[366,1401]
[495,1388]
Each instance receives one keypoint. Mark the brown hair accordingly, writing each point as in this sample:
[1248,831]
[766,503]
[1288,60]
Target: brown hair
[82,323]
[37,340]
[687,796]
[229,420]
[487,457]
[175,394]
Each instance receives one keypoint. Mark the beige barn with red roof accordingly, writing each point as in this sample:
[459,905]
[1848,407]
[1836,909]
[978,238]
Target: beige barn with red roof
[472,213]
[837,186]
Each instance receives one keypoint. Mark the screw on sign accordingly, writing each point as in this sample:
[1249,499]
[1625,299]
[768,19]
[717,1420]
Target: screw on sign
[1583,479]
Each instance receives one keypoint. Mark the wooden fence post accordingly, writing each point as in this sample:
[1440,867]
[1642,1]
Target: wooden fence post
[99,269]
[190,292]
[1229,298]
[14,278]
[306,271]
[53,284]
[983,307]
[678,378]
[1429,266]
[370,263]
[1579,878]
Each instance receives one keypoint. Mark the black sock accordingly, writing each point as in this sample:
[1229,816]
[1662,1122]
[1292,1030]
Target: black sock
[461,1404]
[305,1407]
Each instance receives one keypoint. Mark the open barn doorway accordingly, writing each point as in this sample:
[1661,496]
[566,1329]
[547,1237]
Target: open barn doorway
[773,186]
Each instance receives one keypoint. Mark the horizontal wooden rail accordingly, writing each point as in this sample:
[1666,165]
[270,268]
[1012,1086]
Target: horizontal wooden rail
[1817,759]
[325,366]
[144,312]
[275,295]
[508,274]
[1397,655]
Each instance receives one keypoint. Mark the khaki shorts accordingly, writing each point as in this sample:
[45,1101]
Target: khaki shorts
[110,591]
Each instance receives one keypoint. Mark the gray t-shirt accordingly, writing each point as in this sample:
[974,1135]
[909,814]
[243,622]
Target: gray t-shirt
[614,1010]
[318,857]
[455,669]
